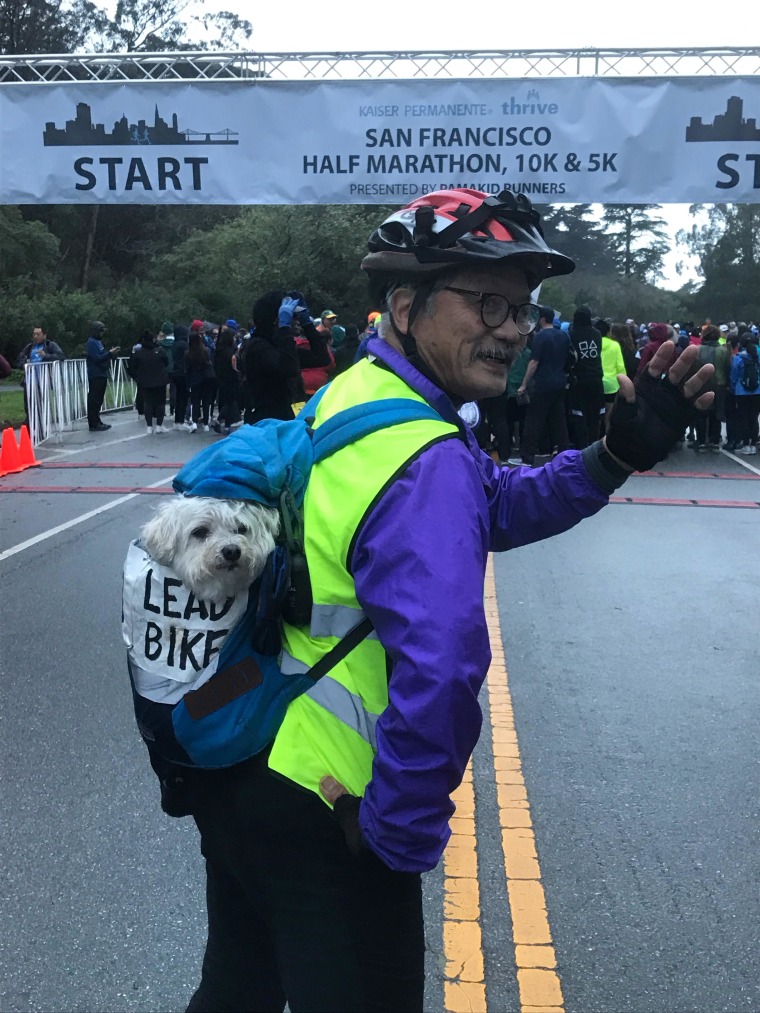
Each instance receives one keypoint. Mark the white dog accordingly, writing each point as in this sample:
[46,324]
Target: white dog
[216,547]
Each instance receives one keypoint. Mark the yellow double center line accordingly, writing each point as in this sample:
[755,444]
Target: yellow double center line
[464,976]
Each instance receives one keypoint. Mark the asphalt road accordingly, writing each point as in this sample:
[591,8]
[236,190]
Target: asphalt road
[631,649]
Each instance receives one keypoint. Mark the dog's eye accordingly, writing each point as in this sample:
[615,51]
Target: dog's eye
[242,529]
[200,532]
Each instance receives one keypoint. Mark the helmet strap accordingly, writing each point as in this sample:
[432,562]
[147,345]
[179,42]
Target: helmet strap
[407,339]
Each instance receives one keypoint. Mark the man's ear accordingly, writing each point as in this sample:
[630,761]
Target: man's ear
[400,305]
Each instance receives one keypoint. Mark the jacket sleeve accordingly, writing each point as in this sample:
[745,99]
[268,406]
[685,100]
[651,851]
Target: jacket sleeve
[94,353]
[55,352]
[529,504]
[418,567]
[317,354]
[277,358]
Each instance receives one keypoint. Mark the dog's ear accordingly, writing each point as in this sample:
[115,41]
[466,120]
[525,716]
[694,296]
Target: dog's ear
[159,535]
[266,517]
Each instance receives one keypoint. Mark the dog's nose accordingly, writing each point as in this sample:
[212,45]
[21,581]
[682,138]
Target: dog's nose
[231,553]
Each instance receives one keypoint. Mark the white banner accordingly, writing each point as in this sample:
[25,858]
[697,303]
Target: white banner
[336,142]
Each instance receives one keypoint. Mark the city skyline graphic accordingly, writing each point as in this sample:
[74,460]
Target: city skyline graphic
[728,126]
[82,132]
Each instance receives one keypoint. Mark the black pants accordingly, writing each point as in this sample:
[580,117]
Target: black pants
[292,915]
[201,399]
[708,430]
[501,413]
[545,415]
[96,391]
[733,423]
[227,394]
[748,406]
[154,405]
[585,404]
[180,405]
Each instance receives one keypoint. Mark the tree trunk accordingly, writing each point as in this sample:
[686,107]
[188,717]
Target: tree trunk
[89,243]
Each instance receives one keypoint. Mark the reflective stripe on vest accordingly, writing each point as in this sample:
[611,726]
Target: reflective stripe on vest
[336,621]
[347,707]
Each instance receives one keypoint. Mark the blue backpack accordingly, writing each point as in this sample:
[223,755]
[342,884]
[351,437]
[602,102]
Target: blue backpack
[221,713]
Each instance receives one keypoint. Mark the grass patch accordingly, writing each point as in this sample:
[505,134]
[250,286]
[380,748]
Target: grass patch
[11,407]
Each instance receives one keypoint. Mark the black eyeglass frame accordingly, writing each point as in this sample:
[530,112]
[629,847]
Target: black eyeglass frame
[512,309]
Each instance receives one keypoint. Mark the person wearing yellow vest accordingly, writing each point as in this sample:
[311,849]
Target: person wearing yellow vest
[314,849]
[613,364]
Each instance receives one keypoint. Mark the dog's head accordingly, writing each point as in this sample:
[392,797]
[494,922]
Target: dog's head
[216,547]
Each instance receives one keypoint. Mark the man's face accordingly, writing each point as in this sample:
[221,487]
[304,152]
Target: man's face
[470,359]
[329,322]
[38,335]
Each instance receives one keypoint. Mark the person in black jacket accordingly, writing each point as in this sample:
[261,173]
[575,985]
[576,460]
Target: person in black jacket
[345,356]
[149,368]
[273,364]
[227,382]
[585,397]
[178,376]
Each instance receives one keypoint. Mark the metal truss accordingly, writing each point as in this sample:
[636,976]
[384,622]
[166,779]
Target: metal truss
[524,63]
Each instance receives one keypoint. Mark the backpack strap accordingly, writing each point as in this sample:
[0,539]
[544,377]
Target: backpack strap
[343,648]
[361,420]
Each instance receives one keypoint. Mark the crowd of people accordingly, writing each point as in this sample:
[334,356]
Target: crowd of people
[561,389]
[219,377]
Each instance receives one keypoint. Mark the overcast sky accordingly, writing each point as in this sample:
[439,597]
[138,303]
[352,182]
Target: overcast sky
[346,25]
[288,25]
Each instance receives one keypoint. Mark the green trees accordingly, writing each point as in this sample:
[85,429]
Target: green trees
[728,248]
[56,26]
[636,240]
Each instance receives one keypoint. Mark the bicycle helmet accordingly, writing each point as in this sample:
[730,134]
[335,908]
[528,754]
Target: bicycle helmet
[457,228]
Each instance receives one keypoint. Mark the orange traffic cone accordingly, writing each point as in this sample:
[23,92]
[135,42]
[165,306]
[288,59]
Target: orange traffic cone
[26,450]
[9,455]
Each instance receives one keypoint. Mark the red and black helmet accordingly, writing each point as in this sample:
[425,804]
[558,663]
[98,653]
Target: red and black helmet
[461,227]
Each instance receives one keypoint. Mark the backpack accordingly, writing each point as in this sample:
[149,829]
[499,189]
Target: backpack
[198,708]
[750,378]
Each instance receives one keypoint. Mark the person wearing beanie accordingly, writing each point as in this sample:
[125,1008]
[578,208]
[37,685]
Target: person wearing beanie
[658,335]
[273,362]
[99,361]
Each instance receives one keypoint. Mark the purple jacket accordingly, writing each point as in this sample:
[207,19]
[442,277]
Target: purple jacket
[419,567]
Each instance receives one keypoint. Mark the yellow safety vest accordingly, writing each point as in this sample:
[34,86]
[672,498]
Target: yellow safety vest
[331,728]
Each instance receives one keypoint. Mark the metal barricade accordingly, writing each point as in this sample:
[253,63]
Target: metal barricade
[56,395]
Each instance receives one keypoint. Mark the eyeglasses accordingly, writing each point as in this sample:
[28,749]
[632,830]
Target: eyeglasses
[495,308]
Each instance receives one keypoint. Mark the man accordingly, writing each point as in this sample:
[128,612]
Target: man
[585,396]
[39,349]
[98,368]
[323,909]
[547,370]
[328,321]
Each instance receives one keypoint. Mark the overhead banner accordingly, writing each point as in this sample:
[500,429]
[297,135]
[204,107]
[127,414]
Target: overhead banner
[337,142]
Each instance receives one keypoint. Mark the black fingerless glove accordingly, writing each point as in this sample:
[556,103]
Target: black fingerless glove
[346,811]
[642,433]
